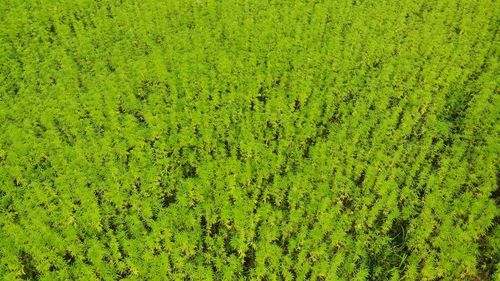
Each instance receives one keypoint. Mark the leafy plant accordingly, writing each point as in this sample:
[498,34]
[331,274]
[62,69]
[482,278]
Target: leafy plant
[249,140]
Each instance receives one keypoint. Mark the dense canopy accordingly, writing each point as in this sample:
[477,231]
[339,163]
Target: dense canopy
[249,140]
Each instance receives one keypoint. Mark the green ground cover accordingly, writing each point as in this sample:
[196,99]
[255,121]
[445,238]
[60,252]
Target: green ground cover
[249,140]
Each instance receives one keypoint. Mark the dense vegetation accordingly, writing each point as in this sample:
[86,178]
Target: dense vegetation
[249,140]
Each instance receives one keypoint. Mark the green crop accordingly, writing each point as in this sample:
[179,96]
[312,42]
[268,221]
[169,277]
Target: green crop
[249,140]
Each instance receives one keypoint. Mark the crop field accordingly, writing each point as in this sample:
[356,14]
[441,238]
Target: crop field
[249,140]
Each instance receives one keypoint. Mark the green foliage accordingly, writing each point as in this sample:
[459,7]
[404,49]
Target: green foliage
[249,140]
